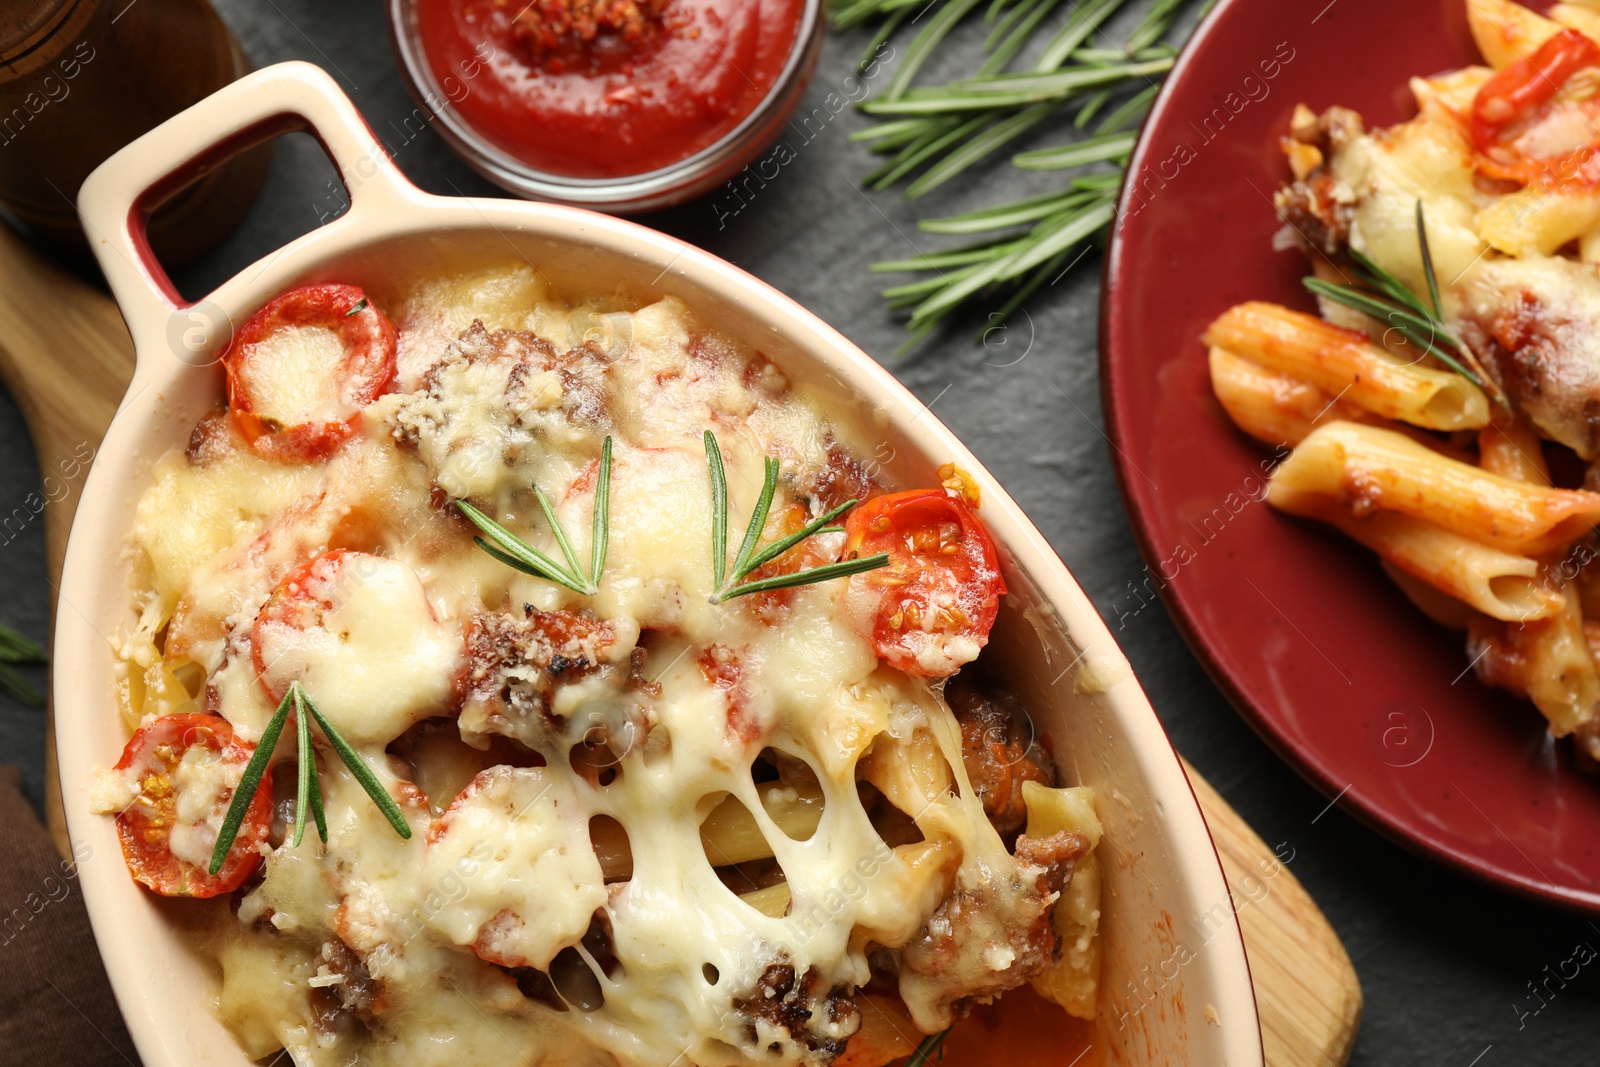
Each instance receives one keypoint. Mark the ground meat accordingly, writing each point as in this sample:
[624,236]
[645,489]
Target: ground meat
[999,752]
[211,438]
[1056,855]
[820,1022]
[515,665]
[345,989]
[1318,207]
[842,478]
[983,939]
[1317,213]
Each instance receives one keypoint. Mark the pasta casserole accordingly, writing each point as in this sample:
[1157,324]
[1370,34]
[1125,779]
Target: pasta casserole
[1444,408]
[525,672]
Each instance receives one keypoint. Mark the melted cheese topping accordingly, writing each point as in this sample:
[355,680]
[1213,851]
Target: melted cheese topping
[595,875]
[294,372]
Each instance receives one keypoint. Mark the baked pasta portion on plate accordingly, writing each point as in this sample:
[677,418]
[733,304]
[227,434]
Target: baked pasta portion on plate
[1444,410]
[517,672]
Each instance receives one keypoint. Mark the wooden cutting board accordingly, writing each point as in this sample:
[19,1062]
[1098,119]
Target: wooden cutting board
[66,357]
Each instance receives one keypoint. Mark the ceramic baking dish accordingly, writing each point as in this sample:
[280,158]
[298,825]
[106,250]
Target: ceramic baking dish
[1176,986]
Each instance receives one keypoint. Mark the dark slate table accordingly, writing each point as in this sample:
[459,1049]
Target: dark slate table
[1446,963]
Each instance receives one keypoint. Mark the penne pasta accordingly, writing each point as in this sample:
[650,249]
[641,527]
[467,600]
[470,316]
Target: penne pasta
[1537,221]
[1499,584]
[1345,364]
[1583,18]
[1366,469]
[1506,32]
[731,834]
[1509,447]
[1547,660]
[1442,608]
[772,901]
[1272,407]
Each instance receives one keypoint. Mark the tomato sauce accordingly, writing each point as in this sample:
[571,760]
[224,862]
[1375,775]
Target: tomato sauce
[608,88]
[1021,1029]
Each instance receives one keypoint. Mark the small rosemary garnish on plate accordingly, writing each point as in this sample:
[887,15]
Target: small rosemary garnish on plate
[728,582]
[1380,295]
[14,649]
[511,550]
[926,1050]
[308,794]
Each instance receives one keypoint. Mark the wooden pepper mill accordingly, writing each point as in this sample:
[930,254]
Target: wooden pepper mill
[81,78]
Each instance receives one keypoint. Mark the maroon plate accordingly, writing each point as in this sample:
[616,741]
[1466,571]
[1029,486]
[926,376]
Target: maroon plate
[1371,701]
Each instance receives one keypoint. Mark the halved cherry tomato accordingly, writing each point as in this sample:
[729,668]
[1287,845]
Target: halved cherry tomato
[942,586]
[301,369]
[147,826]
[1514,93]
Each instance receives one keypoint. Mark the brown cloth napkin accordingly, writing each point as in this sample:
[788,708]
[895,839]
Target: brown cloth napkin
[56,1005]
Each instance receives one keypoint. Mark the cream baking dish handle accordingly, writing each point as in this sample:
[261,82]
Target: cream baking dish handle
[118,197]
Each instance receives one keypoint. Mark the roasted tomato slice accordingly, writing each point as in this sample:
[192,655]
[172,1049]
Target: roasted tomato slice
[186,768]
[301,369]
[940,592]
[1514,94]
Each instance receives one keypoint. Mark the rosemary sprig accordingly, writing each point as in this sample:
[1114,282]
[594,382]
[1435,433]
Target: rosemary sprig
[926,1050]
[729,584]
[931,134]
[17,649]
[511,550]
[1380,295]
[308,793]
[358,766]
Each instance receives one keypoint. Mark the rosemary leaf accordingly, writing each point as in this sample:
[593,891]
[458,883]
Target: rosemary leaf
[600,539]
[244,793]
[921,150]
[317,814]
[979,147]
[18,688]
[1011,90]
[955,257]
[923,44]
[783,544]
[573,570]
[358,766]
[810,575]
[1134,108]
[758,518]
[1154,25]
[926,1049]
[886,31]
[1090,109]
[306,769]
[719,509]
[1002,45]
[1090,150]
[1086,18]
[511,550]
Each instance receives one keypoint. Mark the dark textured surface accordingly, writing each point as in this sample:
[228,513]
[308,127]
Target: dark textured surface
[1446,964]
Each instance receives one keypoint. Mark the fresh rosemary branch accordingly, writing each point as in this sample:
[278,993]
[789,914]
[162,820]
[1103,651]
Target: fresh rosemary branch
[927,1049]
[352,759]
[15,649]
[931,134]
[511,550]
[729,584]
[1382,296]
[308,793]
